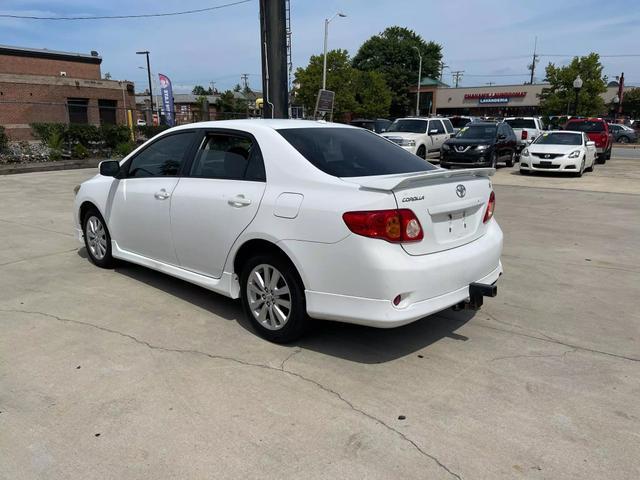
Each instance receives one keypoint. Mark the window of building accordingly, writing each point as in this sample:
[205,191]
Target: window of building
[107,110]
[78,110]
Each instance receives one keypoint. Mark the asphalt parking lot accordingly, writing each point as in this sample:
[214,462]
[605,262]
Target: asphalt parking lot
[129,374]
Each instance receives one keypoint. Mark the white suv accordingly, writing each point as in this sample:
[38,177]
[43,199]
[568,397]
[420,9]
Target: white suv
[420,136]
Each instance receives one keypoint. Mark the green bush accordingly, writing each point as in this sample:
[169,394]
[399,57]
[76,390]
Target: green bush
[4,139]
[55,155]
[150,131]
[81,133]
[114,134]
[123,149]
[55,140]
[43,131]
[80,151]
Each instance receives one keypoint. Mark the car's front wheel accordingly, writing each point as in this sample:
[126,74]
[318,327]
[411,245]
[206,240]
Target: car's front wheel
[97,239]
[273,298]
[511,159]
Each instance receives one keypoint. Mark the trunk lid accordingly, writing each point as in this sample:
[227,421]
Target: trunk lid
[450,205]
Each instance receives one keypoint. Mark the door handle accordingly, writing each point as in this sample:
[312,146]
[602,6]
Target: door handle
[239,201]
[162,194]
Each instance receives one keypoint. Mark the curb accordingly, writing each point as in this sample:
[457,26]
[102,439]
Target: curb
[13,168]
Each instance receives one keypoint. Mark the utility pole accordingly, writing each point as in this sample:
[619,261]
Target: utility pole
[244,78]
[146,52]
[457,76]
[213,87]
[419,82]
[273,46]
[442,67]
[534,60]
[490,83]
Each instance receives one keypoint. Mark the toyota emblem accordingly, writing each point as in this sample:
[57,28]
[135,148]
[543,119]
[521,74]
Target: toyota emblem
[461,190]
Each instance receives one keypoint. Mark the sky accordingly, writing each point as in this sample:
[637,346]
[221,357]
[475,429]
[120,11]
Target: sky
[491,40]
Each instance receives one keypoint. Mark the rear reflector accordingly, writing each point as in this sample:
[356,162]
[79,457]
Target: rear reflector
[400,225]
[524,135]
[490,208]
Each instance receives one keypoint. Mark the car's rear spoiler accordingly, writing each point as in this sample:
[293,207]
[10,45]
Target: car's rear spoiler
[401,181]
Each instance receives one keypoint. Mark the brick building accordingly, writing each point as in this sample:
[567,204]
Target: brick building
[49,86]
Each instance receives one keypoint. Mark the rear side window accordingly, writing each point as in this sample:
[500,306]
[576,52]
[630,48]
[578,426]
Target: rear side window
[586,126]
[521,123]
[459,122]
[447,125]
[347,152]
[229,157]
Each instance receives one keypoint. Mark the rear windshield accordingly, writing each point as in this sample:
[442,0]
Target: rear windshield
[459,122]
[586,126]
[347,152]
[478,132]
[559,139]
[521,123]
[411,126]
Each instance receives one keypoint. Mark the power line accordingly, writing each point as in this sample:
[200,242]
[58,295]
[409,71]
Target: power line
[114,17]
[457,76]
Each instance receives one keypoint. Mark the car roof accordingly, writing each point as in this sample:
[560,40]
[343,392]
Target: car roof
[485,124]
[262,123]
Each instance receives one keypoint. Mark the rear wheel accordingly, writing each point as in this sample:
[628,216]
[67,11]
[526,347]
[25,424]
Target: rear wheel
[273,298]
[602,159]
[608,154]
[422,152]
[623,139]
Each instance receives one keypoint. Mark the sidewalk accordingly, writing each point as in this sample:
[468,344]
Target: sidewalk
[11,168]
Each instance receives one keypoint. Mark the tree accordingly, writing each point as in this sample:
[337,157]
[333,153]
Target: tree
[340,79]
[237,88]
[391,53]
[631,103]
[200,90]
[560,95]
[230,106]
[372,95]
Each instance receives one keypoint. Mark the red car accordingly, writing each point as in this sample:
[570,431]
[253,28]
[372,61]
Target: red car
[598,131]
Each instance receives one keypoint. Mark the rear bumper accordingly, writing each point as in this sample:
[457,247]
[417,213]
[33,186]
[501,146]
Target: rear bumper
[358,278]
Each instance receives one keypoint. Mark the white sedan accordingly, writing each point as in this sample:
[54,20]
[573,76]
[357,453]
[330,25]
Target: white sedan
[559,151]
[298,219]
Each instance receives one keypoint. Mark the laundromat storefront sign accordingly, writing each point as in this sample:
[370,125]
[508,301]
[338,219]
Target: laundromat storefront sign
[494,97]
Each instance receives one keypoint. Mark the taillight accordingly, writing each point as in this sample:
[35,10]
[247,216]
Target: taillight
[524,135]
[400,225]
[491,206]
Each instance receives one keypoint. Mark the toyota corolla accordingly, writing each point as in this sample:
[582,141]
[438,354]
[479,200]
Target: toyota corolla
[299,220]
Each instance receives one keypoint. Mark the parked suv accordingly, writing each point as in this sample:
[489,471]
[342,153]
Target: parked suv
[598,131]
[480,144]
[421,136]
[527,129]
[378,125]
[623,133]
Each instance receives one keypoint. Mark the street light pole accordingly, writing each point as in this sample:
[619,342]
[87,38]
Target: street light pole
[419,80]
[146,52]
[327,21]
[577,85]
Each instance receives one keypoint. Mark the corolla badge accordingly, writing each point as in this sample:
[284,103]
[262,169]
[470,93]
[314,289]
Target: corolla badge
[461,190]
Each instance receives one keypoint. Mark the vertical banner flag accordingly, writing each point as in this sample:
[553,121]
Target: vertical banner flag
[167,99]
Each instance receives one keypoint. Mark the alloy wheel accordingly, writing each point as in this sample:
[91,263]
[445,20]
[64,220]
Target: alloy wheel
[96,237]
[269,297]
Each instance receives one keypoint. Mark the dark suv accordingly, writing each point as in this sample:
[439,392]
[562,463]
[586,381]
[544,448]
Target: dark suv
[378,125]
[480,144]
[598,131]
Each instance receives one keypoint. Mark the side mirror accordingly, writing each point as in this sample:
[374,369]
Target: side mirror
[110,168]
[433,131]
[591,143]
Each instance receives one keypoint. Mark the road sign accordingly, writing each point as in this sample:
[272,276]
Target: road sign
[324,103]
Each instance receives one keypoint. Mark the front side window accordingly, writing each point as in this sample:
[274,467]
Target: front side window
[409,126]
[162,158]
[230,157]
[350,152]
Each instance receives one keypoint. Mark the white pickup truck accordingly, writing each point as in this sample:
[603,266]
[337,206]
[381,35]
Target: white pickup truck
[527,129]
[421,136]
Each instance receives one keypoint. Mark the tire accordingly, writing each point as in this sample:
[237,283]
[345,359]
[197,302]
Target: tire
[581,169]
[422,152]
[97,239]
[601,159]
[608,154]
[493,163]
[284,316]
[623,139]
[590,169]
[524,172]
[510,160]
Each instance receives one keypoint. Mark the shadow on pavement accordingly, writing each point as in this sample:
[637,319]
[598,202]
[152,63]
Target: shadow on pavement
[350,342]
